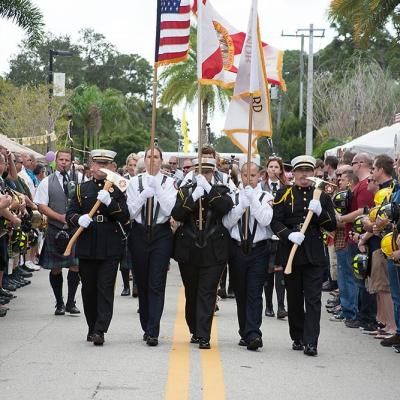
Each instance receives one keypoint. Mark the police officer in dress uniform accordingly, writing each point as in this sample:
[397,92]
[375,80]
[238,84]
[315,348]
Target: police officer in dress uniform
[249,256]
[52,199]
[101,244]
[201,254]
[151,245]
[304,284]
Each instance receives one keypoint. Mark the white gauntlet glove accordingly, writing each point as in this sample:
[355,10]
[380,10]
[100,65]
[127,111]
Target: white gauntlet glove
[315,207]
[296,237]
[104,197]
[178,175]
[250,194]
[244,200]
[147,193]
[202,181]
[197,193]
[84,220]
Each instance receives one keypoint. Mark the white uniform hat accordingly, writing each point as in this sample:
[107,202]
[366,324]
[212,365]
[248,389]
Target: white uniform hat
[101,155]
[206,163]
[303,161]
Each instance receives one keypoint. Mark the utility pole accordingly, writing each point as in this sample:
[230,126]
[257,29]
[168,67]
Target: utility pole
[311,33]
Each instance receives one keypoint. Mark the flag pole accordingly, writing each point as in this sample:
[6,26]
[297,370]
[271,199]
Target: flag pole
[199,147]
[248,166]
[150,200]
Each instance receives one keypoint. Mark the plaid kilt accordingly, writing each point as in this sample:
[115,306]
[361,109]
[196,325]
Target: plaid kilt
[49,257]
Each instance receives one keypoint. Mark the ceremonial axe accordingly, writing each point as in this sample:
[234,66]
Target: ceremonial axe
[320,186]
[112,178]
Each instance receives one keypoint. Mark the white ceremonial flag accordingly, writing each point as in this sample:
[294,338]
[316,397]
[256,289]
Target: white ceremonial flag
[251,79]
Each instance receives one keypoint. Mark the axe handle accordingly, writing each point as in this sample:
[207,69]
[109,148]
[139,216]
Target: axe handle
[288,269]
[72,241]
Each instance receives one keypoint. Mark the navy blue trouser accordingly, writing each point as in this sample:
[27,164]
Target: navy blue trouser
[249,274]
[150,260]
[304,288]
[98,282]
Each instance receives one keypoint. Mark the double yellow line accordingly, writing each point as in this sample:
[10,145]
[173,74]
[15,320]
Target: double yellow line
[179,364]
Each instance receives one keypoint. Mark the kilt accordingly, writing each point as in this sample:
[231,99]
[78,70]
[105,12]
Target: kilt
[49,257]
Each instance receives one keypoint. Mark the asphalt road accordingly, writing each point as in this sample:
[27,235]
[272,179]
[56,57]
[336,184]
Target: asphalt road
[47,357]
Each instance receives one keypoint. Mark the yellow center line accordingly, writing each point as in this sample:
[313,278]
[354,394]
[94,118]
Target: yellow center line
[213,376]
[179,362]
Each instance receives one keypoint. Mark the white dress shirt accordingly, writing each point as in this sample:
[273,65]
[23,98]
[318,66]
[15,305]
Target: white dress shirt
[165,196]
[260,211]
[28,181]
[42,191]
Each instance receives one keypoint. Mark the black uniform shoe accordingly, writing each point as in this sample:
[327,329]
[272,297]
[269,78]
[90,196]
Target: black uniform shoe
[194,339]
[243,342]
[310,350]
[89,337]
[60,309]
[135,292]
[3,312]
[204,344]
[297,345]
[126,292]
[5,293]
[72,308]
[282,313]
[152,341]
[255,344]
[145,337]
[23,273]
[269,312]
[26,268]
[4,300]
[98,339]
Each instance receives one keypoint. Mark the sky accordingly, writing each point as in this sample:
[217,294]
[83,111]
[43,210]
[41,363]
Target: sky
[130,25]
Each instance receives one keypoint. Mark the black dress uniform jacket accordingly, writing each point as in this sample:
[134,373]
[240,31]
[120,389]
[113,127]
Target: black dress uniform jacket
[290,211]
[100,240]
[215,205]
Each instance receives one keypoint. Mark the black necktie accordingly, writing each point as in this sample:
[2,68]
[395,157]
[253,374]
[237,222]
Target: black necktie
[65,182]
[274,188]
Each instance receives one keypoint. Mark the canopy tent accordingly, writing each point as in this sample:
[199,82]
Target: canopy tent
[15,147]
[381,141]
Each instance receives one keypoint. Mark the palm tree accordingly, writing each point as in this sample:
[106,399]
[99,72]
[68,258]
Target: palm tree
[26,16]
[366,16]
[180,84]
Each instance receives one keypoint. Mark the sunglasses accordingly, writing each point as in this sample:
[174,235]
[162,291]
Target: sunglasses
[186,167]
[357,162]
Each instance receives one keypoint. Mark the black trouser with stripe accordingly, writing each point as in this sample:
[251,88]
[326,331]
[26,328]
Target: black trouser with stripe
[201,284]
[98,281]
[304,288]
[150,260]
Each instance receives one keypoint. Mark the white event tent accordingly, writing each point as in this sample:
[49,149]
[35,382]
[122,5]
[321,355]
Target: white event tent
[381,141]
[15,147]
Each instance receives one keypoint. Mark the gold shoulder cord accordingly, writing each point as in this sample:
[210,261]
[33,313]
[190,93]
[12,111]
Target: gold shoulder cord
[284,197]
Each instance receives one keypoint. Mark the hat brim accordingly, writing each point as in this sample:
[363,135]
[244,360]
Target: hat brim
[102,160]
[205,166]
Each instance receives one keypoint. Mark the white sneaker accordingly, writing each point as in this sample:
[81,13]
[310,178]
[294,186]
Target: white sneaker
[32,265]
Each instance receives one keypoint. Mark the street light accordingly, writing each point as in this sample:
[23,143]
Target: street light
[52,53]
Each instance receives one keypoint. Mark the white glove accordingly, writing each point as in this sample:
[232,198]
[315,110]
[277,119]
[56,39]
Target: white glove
[151,181]
[84,220]
[147,193]
[315,207]
[296,237]
[243,200]
[249,192]
[197,193]
[202,181]
[178,175]
[104,197]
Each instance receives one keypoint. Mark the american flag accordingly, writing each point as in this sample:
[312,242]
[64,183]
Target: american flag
[173,29]
[396,118]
